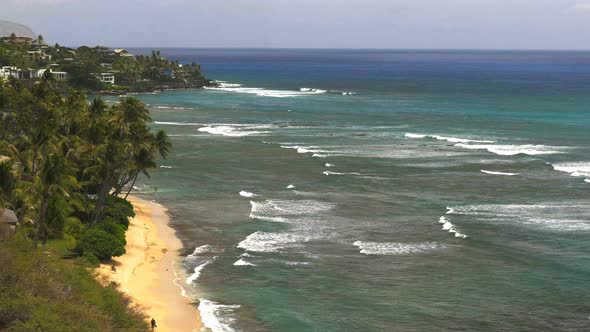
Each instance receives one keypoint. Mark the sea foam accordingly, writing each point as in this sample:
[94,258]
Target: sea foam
[285,210]
[449,227]
[579,168]
[230,131]
[247,194]
[511,150]
[303,149]
[498,173]
[337,173]
[448,139]
[217,317]
[242,262]
[396,248]
[261,92]
[272,242]
[567,216]
[197,273]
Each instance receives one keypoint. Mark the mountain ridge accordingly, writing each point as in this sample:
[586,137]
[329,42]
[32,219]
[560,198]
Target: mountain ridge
[21,30]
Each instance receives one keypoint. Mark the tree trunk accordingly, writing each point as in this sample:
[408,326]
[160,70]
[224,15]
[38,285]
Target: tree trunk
[100,201]
[121,184]
[132,184]
[41,219]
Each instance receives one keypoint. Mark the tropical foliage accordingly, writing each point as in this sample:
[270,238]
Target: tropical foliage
[85,64]
[39,292]
[69,162]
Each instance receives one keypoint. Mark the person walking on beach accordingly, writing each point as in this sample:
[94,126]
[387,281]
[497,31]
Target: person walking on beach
[153,323]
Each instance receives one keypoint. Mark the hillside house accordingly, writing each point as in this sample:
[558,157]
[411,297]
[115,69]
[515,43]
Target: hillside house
[108,78]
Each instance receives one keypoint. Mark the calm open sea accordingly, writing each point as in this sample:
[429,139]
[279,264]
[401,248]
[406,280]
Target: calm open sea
[373,190]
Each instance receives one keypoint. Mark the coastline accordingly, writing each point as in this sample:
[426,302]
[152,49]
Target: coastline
[147,271]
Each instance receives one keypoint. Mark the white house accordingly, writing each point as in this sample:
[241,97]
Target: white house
[108,78]
[58,75]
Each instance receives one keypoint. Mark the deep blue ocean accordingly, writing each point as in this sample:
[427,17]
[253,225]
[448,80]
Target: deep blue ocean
[379,190]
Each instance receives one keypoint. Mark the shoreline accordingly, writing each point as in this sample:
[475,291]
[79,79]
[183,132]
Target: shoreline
[147,272]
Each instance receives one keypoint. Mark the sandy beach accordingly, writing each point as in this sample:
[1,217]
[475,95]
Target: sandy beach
[147,271]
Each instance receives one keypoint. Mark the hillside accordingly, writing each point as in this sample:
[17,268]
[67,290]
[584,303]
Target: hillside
[6,28]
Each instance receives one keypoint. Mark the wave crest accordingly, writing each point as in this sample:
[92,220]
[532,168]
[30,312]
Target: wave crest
[396,248]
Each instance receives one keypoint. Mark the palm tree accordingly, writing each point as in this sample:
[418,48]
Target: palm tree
[7,183]
[143,161]
[163,144]
[129,115]
[55,177]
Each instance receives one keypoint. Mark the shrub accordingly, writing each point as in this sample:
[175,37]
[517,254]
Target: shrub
[39,292]
[119,210]
[101,244]
[89,259]
[114,228]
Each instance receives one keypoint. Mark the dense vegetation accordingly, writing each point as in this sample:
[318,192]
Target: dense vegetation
[67,166]
[39,292]
[84,65]
[69,162]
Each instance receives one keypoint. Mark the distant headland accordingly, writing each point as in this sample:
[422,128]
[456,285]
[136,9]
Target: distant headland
[26,57]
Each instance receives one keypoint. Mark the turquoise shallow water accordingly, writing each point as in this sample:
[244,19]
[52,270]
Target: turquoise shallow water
[345,190]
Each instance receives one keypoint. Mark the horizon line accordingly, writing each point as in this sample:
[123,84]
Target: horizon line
[350,48]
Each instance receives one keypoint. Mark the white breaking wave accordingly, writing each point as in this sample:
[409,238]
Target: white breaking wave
[410,135]
[449,227]
[343,93]
[174,108]
[329,165]
[178,123]
[230,131]
[217,317]
[448,139]
[303,149]
[242,262]
[247,194]
[587,180]
[579,168]
[197,273]
[200,250]
[336,173]
[272,242]
[396,248]
[224,84]
[498,173]
[511,150]
[569,216]
[198,263]
[237,88]
[499,149]
[283,210]
[312,90]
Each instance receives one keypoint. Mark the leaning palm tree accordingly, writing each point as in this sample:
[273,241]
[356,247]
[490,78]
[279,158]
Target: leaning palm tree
[163,144]
[143,161]
[55,177]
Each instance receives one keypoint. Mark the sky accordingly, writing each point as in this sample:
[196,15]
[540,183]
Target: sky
[397,24]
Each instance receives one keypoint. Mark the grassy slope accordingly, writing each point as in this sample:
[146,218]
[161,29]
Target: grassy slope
[39,292]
